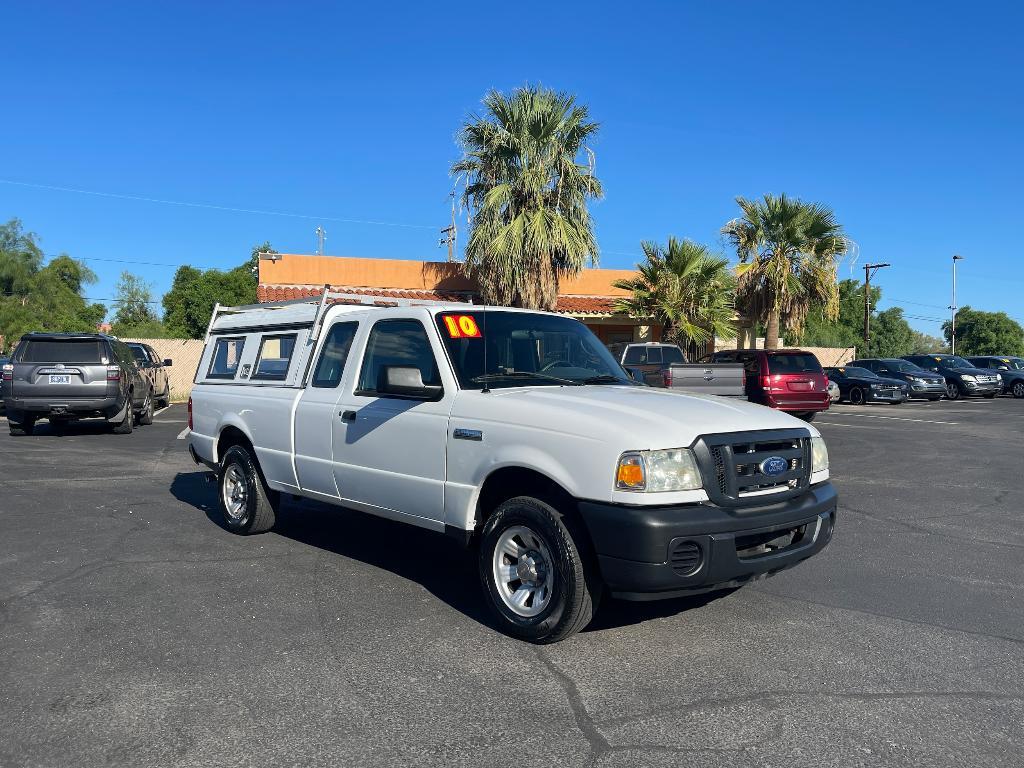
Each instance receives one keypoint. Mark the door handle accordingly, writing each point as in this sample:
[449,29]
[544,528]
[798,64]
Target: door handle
[348,415]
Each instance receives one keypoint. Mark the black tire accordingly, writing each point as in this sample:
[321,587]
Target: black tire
[258,512]
[1018,389]
[125,425]
[953,391]
[857,396]
[146,414]
[807,416]
[20,429]
[165,399]
[574,591]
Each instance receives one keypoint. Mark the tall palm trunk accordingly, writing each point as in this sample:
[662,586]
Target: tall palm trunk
[771,334]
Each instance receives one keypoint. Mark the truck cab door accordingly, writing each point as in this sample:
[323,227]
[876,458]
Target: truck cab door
[316,413]
[390,450]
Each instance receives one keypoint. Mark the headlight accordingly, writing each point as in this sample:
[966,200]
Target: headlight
[999,378]
[968,377]
[819,454]
[657,471]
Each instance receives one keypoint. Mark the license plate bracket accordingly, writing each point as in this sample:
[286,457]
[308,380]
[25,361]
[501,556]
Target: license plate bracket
[60,378]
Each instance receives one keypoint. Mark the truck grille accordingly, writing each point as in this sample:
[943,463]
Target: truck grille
[733,465]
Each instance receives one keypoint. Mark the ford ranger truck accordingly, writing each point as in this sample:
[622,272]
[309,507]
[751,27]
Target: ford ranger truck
[517,433]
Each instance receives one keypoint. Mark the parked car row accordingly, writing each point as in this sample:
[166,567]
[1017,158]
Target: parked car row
[63,377]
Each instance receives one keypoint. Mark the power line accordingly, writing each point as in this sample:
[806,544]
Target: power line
[211,206]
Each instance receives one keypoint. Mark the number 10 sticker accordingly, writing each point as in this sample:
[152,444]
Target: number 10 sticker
[462,327]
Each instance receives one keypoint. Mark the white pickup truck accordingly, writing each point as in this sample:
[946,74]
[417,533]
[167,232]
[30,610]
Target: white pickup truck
[517,433]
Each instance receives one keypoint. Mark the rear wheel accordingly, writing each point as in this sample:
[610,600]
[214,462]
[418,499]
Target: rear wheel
[538,585]
[857,396]
[1018,389]
[165,399]
[24,427]
[146,414]
[125,425]
[247,503]
[953,390]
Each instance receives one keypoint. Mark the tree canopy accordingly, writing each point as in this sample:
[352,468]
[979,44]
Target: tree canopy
[34,297]
[985,333]
[529,175]
[788,250]
[684,287]
[194,292]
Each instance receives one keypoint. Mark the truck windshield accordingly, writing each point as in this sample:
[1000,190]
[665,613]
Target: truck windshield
[524,349]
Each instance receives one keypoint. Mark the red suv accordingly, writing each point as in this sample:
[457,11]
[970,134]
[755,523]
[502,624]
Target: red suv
[788,379]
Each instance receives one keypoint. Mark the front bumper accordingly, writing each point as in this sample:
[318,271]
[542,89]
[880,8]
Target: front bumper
[973,388]
[648,553]
[898,396]
[69,407]
[927,389]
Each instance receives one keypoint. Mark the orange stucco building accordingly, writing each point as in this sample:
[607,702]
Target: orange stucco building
[589,296]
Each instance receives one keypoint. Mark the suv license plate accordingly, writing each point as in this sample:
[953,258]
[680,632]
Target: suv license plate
[62,379]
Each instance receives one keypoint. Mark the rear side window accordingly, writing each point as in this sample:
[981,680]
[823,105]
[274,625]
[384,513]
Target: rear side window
[226,354]
[331,364]
[672,355]
[274,357]
[63,351]
[397,342]
[799,362]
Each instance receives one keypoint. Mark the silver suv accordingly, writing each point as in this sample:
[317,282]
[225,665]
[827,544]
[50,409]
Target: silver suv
[65,376]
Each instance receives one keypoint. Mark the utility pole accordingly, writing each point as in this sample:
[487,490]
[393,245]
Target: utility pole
[952,309]
[451,233]
[321,235]
[869,270]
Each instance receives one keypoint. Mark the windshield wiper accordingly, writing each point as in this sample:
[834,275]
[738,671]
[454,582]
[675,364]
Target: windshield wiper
[606,378]
[523,375]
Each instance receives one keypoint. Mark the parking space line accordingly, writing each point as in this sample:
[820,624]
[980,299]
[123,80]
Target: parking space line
[183,434]
[893,418]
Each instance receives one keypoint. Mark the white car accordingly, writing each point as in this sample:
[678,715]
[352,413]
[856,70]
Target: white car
[515,432]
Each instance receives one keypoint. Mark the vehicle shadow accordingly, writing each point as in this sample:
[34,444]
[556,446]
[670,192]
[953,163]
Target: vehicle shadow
[44,428]
[441,565]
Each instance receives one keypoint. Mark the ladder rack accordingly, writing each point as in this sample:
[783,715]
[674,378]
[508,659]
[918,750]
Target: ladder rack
[326,298]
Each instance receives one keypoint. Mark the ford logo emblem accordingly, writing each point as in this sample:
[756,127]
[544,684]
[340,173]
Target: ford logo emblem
[773,466]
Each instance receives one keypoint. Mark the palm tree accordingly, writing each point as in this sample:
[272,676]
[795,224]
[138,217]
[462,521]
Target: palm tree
[686,288]
[527,192]
[788,253]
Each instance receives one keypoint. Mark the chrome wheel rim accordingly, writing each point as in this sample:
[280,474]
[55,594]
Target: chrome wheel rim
[1018,389]
[952,392]
[523,571]
[234,491]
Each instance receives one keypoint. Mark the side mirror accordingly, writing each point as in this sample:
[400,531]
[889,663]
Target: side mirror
[168,362]
[406,381]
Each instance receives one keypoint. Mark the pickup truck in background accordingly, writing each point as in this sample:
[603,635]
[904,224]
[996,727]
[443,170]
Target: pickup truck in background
[664,365]
[651,359]
[518,434]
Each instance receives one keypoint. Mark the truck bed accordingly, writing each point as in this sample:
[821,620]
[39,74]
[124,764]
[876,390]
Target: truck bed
[724,379]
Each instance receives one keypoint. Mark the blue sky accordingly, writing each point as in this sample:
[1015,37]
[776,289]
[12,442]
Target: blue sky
[906,118]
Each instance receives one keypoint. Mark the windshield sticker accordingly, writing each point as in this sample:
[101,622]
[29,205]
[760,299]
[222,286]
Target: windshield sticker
[462,327]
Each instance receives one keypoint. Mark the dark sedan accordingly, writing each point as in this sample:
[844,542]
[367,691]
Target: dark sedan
[922,383]
[859,386]
[962,378]
[1010,368]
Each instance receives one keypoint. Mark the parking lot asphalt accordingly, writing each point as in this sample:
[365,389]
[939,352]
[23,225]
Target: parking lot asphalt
[135,631]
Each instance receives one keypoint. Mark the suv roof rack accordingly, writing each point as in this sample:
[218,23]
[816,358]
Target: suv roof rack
[329,297]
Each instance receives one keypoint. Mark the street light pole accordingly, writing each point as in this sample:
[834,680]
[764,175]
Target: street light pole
[869,270]
[952,308]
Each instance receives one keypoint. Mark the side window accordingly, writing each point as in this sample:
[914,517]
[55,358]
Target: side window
[224,361]
[153,357]
[750,364]
[140,355]
[124,354]
[274,356]
[397,342]
[331,364]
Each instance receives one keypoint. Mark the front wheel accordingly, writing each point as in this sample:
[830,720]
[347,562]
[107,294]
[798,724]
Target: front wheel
[247,503]
[1018,389]
[953,390]
[857,396]
[538,585]
[146,414]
